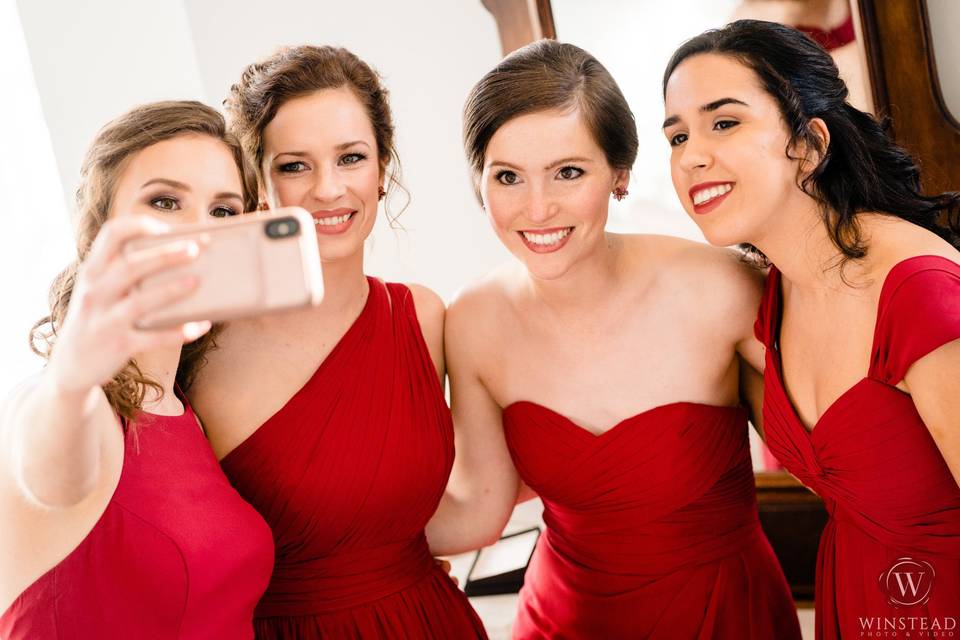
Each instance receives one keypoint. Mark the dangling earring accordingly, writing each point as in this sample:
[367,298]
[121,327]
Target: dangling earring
[381,193]
[620,193]
[263,206]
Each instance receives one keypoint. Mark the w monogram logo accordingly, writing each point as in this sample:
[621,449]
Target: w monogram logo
[908,582]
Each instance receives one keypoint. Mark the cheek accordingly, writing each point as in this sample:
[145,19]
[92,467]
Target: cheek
[500,205]
[286,192]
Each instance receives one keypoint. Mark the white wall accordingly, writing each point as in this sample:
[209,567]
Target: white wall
[36,236]
[94,59]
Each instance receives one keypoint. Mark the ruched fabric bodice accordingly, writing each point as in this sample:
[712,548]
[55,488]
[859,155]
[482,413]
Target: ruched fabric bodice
[347,473]
[651,528]
[894,505]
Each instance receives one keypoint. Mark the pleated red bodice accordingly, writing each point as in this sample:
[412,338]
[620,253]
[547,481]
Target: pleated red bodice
[652,529]
[894,530]
[347,473]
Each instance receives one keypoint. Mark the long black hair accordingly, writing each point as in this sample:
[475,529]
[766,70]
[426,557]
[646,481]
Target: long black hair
[862,169]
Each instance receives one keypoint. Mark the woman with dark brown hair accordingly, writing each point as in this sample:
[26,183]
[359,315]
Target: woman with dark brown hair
[603,370]
[860,316]
[332,421]
[117,522]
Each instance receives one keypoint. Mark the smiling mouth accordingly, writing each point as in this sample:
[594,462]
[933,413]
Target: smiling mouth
[709,197]
[331,221]
[546,240]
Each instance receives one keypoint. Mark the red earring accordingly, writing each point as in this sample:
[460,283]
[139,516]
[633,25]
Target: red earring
[620,193]
[380,193]
[263,206]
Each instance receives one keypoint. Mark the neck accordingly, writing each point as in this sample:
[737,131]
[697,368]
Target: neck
[587,284]
[344,285]
[800,247]
[161,366]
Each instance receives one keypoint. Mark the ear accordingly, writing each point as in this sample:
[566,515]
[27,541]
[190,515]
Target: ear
[621,178]
[809,156]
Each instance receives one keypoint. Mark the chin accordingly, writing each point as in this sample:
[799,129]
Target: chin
[546,269]
[720,236]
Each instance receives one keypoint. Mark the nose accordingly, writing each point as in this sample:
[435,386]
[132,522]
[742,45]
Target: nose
[696,153]
[541,207]
[328,186]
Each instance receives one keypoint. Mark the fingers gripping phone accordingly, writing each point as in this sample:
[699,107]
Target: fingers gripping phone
[249,265]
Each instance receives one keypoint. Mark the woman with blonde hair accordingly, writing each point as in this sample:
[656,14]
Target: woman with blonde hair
[117,522]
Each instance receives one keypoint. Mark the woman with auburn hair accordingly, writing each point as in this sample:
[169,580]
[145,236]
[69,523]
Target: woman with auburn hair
[860,317]
[332,421]
[117,522]
[603,371]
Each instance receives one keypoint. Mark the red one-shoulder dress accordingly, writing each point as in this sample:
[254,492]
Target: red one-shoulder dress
[347,473]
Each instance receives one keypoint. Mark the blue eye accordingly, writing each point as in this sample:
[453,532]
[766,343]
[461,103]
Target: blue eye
[570,173]
[507,177]
[165,203]
[352,158]
[293,167]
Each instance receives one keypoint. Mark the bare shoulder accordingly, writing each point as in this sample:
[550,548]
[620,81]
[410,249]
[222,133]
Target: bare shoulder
[478,310]
[893,240]
[429,306]
[716,276]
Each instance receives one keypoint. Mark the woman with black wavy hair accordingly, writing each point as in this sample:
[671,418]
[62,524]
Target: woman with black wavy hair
[860,317]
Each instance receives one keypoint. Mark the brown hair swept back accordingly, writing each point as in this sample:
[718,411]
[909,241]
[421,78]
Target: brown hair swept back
[105,160]
[293,72]
[542,76]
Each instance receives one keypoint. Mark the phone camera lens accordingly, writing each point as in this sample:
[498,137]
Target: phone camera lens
[282,228]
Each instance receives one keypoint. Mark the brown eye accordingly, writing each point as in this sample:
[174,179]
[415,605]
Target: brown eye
[507,177]
[570,173]
[165,203]
[223,212]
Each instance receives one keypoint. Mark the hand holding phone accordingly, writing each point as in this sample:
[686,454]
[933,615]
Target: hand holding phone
[250,265]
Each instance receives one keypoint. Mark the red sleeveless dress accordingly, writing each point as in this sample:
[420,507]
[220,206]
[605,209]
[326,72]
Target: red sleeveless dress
[176,554]
[890,553]
[347,473]
[652,529]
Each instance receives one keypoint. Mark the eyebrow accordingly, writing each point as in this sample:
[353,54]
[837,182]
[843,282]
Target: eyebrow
[223,195]
[557,163]
[339,147]
[710,106]
[166,181]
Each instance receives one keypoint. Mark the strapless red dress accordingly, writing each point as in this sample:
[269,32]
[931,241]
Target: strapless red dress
[651,529]
[176,554]
[347,473]
[890,553]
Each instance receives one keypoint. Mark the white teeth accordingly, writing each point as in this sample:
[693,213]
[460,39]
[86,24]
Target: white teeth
[709,194]
[546,239]
[329,222]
